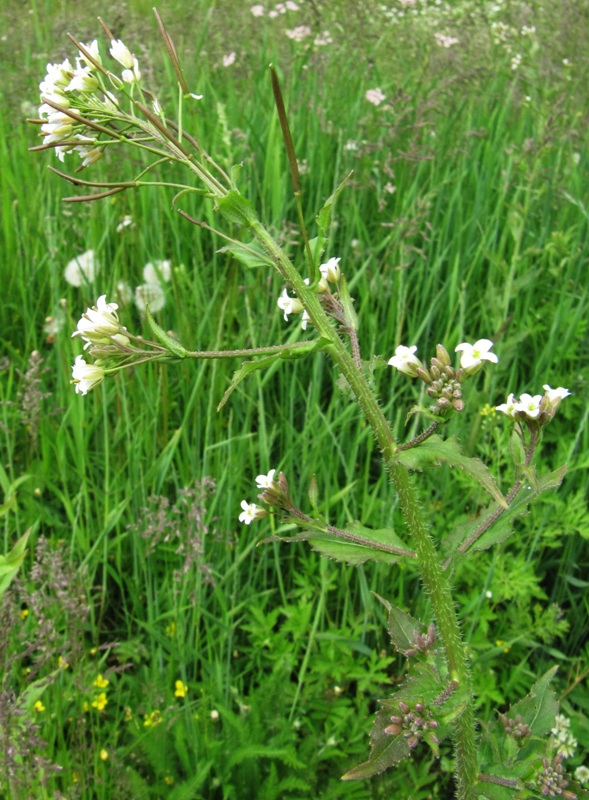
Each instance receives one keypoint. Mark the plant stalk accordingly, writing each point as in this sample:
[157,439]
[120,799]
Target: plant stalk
[435,580]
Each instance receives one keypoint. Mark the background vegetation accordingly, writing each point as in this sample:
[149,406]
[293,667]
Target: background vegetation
[465,218]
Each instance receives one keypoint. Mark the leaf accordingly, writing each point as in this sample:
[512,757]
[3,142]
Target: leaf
[436,450]
[539,707]
[323,218]
[502,528]
[401,626]
[387,750]
[247,367]
[355,545]
[236,208]
[171,344]
[350,316]
[11,563]
[492,791]
[250,254]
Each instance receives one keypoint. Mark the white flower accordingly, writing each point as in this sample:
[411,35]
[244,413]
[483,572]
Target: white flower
[257,10]
[100,324]
[89,155]
[509,407]
[250,512]
[81,269]
[83,81]
[375,96]
[528,405]
[229,59]
[91,49]
[473,355]
[157,272]
[265,481]
[405,361]
[331,270]
[445,41]
[150,294]
[86,376]
[553,397]
[299,33]
[132,75]
[122,54]
[305,319]
[124,223]
[582,774]
[290,305]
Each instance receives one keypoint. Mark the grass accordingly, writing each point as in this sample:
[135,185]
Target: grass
[285,654]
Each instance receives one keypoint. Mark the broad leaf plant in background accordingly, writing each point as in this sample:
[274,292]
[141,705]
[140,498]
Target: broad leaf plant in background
[98,102]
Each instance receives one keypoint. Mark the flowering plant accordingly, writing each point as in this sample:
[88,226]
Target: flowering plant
[89,109]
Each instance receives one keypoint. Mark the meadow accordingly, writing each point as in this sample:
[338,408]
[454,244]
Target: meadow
[152,646]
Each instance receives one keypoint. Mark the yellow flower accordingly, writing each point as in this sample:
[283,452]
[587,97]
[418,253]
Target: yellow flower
[104,754]
[24,613]
[62,663]
[100,702]
[100,682]
[181,689]
[169,780]
[153,719]
[85,707]
[39,706]
[170,629]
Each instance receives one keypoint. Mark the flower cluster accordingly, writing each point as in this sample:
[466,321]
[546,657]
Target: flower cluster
[551,780]
[275,494]
[444,382]
[415,724]
[105,337]
[516,728]
[330,273]
[566,743]
[75,100]
[537,409]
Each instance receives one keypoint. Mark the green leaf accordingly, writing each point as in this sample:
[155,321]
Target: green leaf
[250,254]
[424,685]
[236,208]
[354,545]
[323,218]
[538,708]
[401,626]
[11,563]
[171,344]
[247,367]
[317,245]
[516,446]
[492,791]
[502,528]
[350,316]
[436,450]
[386,750]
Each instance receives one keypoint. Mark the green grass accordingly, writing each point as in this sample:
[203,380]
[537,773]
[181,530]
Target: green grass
[484,235]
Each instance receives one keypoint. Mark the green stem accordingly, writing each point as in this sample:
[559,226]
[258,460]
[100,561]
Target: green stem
[434,578]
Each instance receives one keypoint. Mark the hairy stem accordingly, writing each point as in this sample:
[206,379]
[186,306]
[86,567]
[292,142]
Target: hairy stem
[435,580]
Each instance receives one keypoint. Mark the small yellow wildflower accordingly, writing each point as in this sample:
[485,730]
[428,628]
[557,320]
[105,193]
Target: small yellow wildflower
[39,706]
[24,613]
[62,663]
[170,629]
[181,689]
[100,702]
[169,780]
[104,754]
[487,410]
[75,777]
[153,719]
[100,682]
